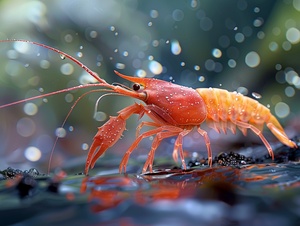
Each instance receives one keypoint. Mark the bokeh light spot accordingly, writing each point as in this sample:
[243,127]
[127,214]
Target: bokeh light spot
[289,91]
[178,15]
[30,109]
[45,64]
[282,110]
[293,35]
[100,116]
[206,24]
[67,69]
[232,63]
[26,127]
[252,59]
[32,153]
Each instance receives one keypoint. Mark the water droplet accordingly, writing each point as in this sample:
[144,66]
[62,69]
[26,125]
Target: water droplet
[201,78]
[79,54]
[32,153]
[60,132]
[112,28]
[154,13]
[93,34]
[71,128]
[256,95]
[62,56]
[21,47]
[217,53]
[242,90]
[194,3]
[120,66]
[141,73]
[155,67]
[256,10]
[197,67]
[84,146]
[86,78]
[175,47]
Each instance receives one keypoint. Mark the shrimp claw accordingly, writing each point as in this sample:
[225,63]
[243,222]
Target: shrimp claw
[109,134]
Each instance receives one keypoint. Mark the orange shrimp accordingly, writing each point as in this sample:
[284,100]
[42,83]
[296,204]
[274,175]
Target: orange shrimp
[175,111]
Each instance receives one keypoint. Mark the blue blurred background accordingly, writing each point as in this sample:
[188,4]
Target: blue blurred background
[246,46]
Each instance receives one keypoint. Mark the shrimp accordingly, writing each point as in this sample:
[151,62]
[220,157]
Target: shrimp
[175,110]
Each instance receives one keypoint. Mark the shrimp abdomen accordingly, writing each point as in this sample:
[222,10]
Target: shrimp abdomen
[227,109]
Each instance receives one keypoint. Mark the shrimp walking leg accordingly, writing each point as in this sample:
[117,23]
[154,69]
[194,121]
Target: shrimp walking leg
[157,140]
[258,133]
[207,142]
[126,156]
[172,129]
[178,146]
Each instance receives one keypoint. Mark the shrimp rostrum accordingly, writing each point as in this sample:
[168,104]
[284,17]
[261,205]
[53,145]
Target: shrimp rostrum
[175,111]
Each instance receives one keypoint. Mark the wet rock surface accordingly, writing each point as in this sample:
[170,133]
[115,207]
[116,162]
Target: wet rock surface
[237,190]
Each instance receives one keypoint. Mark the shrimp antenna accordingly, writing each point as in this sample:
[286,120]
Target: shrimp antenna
[66,118]
[63,55]
[101,97]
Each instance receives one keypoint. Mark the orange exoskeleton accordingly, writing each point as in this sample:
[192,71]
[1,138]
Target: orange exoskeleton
[175,111]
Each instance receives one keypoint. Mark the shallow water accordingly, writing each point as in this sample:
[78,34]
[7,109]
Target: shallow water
[252,194]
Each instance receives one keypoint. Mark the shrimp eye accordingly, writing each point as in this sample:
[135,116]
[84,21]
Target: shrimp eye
[136,86]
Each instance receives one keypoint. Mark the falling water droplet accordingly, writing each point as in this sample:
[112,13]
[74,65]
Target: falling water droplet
[62,56]
[256,95]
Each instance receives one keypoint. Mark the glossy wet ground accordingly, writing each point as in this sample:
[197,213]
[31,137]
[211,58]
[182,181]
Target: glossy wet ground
[236,191]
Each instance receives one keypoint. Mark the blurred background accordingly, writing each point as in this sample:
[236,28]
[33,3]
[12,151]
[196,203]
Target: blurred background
[247,46]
